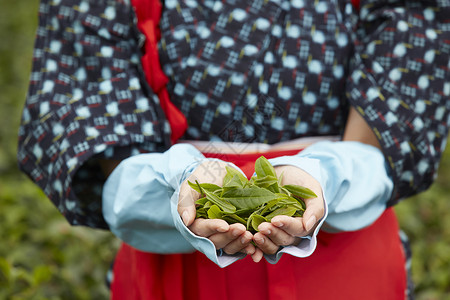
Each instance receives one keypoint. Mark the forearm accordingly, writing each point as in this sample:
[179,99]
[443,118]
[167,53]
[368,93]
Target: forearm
[108,165]
[358,130]
[136,198]
[397,82]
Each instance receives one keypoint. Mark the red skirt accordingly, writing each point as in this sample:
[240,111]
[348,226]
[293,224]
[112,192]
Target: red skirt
[365,264]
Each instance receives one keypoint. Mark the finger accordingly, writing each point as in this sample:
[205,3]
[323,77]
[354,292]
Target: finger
[209,227]
[313,213]
[257,256]
[265,244]
[292,226]
[239,244]
[221,240]
[186,203]
[249,249]
[278,236]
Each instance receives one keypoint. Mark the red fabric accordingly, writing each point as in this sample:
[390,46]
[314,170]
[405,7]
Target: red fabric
[356,3]
[148,14]
[366,264]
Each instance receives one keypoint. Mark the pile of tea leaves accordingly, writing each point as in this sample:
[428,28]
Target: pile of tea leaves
[250,202]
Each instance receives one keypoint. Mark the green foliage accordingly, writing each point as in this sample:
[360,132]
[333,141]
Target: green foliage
[425,219]
[18,20]
[42,257]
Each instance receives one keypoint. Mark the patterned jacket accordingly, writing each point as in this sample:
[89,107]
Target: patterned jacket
[258,71]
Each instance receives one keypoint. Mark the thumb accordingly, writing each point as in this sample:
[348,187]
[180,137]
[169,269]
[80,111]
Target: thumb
[313,213]
[186,203]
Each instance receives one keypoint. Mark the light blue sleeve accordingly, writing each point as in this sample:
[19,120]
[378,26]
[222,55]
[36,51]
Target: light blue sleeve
[140,201]
[136,199]
[354,179]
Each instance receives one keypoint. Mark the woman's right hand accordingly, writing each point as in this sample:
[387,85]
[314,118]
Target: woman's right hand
[232,238]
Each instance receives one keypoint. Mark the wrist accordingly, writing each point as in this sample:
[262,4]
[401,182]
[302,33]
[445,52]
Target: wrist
[356,183]
[108,165]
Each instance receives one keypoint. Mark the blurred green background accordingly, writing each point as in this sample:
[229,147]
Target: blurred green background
[42,257]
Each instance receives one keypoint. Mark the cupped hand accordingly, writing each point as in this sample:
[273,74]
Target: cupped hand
[230,238]
[284,230]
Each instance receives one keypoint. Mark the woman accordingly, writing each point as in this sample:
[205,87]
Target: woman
[252,72]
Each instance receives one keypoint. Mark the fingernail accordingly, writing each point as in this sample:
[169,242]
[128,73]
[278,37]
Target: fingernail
[235,233]
[260,241]
[185,217]
[311,222]
[244,240]
[267,232]
[222,229]
[278,224]
[249,252]
[256,260]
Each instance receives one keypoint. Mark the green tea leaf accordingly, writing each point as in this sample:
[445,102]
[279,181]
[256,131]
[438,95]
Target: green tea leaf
[255,220]
[284,191]
[201,213]
[263,168]
[272,205]
[210,187]
[280,179]
[285,211]
[282,196]
[214,212]
[266,175]
[195,186]
[300,191]
[201,201]
[245,213]
[265,181]
[289,200]
[230,179]
[224,205]
[274,188]
[234,218]
[298,213]
[250,197]
[234,182]
[300,202]
[208,204]
[199,187]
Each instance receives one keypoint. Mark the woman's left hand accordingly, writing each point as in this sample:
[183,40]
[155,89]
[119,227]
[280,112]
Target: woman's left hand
[284,230]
